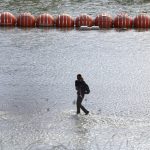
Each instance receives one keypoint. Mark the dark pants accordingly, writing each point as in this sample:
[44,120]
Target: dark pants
[79,105]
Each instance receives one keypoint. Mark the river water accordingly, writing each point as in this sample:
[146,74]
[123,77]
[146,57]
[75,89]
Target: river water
[38,68]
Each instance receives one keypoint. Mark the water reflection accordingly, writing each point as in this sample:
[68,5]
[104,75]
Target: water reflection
[122,29]
[45,29]
[7,28]
[104,30]
[81,124]
[25,28]
[64,29]
[141,29]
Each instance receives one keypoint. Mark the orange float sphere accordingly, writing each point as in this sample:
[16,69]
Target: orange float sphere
[104,21]
[45,20]
[84,20]
[7,19]
[64,20]
[142,21]
[26,20]
[123,21]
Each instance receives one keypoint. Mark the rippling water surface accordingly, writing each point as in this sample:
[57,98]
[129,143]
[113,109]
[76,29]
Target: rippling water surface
[75,7]
[37,72]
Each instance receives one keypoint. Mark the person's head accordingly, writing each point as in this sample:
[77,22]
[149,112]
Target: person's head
[79,77]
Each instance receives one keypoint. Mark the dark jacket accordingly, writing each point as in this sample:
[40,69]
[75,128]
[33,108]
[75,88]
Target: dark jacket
[81,87]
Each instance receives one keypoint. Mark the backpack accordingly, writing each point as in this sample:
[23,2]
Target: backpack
[86,89]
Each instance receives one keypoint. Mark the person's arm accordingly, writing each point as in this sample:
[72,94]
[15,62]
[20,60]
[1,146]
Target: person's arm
[78,88]
[76,85]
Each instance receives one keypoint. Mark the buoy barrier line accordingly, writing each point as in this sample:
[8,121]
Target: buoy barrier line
[64,20]
[136,22]
[142,21]
[0,19]
[7,19]
[148,22]
[103,20]
[78,21]
[59,19]
[42,20]
[123,21]
[26,20]
[84,20]
[118,20]
[45,20]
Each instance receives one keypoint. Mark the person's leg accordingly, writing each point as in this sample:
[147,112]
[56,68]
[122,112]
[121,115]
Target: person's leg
[82,107]
[79,100]
[85,110]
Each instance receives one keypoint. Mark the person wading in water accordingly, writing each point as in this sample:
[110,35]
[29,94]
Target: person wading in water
[82,88]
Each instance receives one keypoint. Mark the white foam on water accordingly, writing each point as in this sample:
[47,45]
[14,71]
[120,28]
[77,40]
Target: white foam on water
[67,131]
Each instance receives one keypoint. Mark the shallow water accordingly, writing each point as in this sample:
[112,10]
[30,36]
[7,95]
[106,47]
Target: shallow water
[38,67]
[37,73]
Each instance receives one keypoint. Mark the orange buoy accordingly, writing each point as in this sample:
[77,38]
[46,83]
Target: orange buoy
[26,20]
[84,20]
[142,21]
[64,20]
[104,21]
[123,21]
[45,20]
[7,19]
